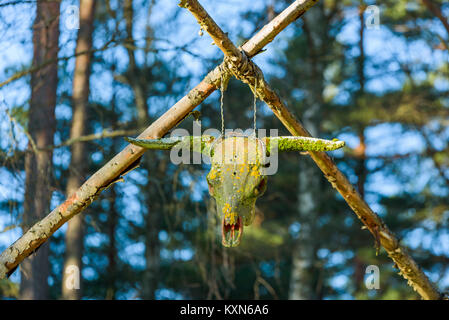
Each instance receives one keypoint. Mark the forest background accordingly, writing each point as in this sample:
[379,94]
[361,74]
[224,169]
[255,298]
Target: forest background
[380,85]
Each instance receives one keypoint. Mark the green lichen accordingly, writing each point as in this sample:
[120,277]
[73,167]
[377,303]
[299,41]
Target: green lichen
[302,144]
[155,144]
[235,180]
[195,143]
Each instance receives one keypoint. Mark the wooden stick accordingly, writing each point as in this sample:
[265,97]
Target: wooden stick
[408,267]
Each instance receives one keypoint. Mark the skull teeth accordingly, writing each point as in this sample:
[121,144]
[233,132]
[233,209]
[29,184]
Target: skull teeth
[232,233]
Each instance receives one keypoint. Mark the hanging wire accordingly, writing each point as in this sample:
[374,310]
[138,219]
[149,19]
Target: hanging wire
[255,107]
[227,69]
[221,102]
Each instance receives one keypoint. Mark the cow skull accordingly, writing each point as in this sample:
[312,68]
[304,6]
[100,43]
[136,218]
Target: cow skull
[238,166]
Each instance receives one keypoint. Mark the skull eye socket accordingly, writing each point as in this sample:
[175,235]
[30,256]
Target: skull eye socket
[261,186]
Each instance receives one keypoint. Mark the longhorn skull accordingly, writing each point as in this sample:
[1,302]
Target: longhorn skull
[238,170]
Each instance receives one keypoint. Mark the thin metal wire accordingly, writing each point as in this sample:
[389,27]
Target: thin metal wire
[221,103]
[255,107]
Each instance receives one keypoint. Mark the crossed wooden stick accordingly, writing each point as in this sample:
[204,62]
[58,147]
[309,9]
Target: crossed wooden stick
[237,61]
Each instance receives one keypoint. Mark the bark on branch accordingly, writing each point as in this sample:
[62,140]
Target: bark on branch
[127,158]
[252,75]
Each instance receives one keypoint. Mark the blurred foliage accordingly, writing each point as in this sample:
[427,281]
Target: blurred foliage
[9,289]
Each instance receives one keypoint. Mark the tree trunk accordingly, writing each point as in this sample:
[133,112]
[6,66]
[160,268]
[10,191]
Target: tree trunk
[41,127]
[303,278]
[111,290]
[75,230]
[139,86]
[361,149]
[112,271]
[361,171]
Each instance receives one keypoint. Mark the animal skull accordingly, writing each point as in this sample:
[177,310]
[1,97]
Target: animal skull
[237,176]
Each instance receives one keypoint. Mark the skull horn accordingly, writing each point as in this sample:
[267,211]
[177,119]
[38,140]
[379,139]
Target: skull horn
[297,143]
[195,143]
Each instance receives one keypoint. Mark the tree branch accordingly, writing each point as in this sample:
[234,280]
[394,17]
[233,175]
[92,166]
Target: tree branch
[408,267]
[32,69]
